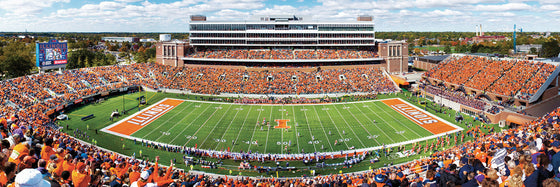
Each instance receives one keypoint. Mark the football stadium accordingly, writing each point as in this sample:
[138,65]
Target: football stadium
[284,101]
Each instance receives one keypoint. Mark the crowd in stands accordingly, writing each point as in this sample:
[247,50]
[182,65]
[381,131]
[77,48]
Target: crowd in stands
[35,154]
[303,100]
[287,100]
[210,80]
[539,77]
[504,77]
[455,96]
[494,109]
[283,54]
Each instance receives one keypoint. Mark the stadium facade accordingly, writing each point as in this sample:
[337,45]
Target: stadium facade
[517,91]
[283,40]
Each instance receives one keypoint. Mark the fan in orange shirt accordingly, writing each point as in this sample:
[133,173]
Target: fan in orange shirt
[20,151]
[47,149]
[80,176]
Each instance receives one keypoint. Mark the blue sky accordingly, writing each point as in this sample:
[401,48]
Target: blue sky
[172,16]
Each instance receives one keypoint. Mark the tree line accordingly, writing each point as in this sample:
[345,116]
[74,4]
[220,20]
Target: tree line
[17,55]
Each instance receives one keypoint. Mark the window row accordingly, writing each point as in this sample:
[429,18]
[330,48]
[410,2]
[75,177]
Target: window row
[280,35]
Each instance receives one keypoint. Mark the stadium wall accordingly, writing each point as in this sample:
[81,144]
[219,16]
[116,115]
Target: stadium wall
[509,117]
[395,55]
[169,53]
[481,93]
[423,65]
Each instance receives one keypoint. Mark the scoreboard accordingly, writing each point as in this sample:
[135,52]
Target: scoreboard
[51,53]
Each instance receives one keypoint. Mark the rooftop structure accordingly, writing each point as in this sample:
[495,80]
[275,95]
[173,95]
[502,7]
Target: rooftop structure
[282,31]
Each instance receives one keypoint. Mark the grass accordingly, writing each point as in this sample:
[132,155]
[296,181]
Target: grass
[219,126]
[434,48]
[242,123]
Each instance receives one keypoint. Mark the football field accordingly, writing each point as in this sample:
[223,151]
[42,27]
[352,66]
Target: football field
[282,128]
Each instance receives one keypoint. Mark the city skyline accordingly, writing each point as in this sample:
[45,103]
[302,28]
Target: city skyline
[173,16]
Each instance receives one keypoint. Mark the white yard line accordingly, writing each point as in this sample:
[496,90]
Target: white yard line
[374,123]
[336,153]
[385,121]
[295,128]
[308,126]
[210,117]
[363,124]
[232,120]
[241,129]
[334,124]
[217,123]
[402,124]
[322,127]
[359,139]
[282,133]
[268,131]
[106,129]
[166,121]
[255,130]
[181,133]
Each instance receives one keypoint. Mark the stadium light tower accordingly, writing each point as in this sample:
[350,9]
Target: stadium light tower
[514,40]
[515,37]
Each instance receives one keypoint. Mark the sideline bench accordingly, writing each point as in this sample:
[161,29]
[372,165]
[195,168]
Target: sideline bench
[88,117]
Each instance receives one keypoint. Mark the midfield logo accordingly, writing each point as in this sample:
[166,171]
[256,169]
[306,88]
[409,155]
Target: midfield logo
[282,124]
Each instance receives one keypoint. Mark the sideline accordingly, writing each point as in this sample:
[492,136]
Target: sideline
[280,155]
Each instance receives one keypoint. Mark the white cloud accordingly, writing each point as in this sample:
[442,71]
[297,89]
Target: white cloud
[110,5]
[445,12]
[28,6]
[172,15]
[548,2]
[503,7]
[128,1]
[450,3]
[550,7]
[229,14]
[276,10]
[497,14]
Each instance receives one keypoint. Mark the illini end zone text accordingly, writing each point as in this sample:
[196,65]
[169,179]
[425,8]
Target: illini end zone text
[416,115]
[144,117]
[135,122]
[420,117]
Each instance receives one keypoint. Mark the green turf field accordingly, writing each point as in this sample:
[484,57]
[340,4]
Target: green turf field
[219,126]
[115,143]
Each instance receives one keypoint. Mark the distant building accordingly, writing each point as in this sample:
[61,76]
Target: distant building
[479,39]
[120,39]
[527,48]
[165,37]
[148,40]
[428,62]
[290,33]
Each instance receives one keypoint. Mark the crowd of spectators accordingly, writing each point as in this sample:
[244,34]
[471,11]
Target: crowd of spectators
[211,80]
[52,89]
[494,109]
[504,77]
[35,154]
[282,54]
[531,87]
[455,96]
[303,100]
[286,100]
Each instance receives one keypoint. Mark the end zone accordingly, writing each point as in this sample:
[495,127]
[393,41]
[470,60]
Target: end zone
[135,122]
[422,118]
